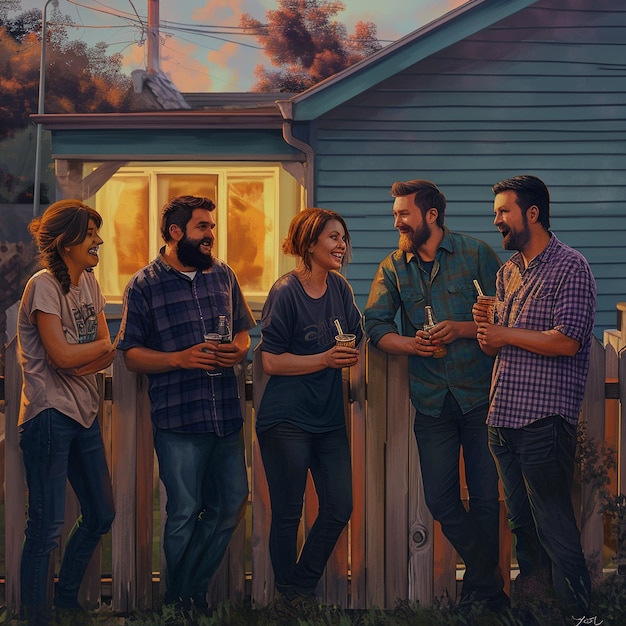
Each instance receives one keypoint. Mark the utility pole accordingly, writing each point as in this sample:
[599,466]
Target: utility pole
[153,37]
[40,107]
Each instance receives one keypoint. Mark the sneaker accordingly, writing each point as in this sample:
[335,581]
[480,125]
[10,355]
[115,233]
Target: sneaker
[291,606]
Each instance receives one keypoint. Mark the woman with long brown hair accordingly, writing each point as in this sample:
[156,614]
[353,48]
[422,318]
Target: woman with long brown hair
[63,340]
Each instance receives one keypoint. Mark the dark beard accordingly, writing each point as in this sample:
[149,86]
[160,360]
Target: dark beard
[189,254]
[412,242]
[519,240]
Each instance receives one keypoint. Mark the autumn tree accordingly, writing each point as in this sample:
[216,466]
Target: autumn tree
[79,78]
[307,44]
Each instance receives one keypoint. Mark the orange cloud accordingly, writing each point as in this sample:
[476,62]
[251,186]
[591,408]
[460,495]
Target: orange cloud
[186,71]
[223,62]
[135,57]
[218,12]
[452,4]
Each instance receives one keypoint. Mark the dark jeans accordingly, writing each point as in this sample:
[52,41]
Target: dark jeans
[474,533]
[56,448]
[206,482]
[288,453]
[536,466]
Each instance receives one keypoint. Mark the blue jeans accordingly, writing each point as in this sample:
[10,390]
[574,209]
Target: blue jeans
[474,533]
[206,482]
[536,466]
[288,453]
[56,448]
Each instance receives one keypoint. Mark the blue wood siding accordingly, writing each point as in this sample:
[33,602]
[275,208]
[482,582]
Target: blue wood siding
[542,92]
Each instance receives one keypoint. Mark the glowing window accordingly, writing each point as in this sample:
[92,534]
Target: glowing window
[254,205]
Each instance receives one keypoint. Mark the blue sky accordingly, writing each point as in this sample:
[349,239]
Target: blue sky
[197,60]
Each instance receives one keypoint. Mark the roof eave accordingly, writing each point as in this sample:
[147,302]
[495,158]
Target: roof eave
[244,119]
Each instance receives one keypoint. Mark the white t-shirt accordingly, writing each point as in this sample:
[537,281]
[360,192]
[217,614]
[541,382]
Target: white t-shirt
[44,386]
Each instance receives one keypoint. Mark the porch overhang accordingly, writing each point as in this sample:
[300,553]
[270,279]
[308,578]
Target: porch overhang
[246,134]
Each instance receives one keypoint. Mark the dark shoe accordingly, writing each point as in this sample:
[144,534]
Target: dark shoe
[304,604]
[36,617]
[498,603]
[291,606]
[473,609]
[72,617]
[199,601]
[279,611]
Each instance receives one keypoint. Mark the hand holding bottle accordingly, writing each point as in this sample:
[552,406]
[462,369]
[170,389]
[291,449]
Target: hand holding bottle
[430,323]
[220,337]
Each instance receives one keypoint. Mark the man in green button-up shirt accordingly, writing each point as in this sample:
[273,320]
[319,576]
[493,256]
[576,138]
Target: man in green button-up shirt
[434,266]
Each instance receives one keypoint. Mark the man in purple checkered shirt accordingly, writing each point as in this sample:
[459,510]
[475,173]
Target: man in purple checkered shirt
[168,308]
[546,302]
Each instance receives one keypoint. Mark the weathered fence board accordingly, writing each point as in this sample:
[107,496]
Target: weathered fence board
[591,525]
[262,573]
[621,373]
[398,483]
[14,485]
[124,459]
[357,408]
[375,438]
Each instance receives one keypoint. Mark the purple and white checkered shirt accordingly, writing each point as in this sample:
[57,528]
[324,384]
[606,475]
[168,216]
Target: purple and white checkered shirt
[556,291]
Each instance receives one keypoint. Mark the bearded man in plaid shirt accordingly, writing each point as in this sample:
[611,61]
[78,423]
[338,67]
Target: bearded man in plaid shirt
[545,310]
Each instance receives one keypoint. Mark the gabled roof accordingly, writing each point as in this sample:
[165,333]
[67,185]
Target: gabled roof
[268,110]
[462,22]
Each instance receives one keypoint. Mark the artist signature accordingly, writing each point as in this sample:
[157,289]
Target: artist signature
[579,621]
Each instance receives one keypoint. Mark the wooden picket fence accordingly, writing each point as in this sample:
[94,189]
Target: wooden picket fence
[391,549]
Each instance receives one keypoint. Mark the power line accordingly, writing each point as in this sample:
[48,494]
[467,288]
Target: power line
[117,13]
[137,14]
[191,28]
[192,69]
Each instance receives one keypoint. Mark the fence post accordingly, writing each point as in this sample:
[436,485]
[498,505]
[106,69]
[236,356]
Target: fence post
[375,439]
[398,484]
[357,433]
[621,444]
[123,473]
[621,321]
[592,530]
[262,573]
[14,481]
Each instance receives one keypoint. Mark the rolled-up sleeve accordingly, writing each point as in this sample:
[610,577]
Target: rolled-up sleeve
[382,304]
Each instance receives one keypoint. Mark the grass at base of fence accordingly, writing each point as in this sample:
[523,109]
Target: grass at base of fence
[608,601]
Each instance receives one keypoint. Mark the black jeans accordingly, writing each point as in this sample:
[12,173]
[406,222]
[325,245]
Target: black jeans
[288,453]
[536,466]
[474,533]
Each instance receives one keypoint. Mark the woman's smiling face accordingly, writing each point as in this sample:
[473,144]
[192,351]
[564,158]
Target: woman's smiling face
[84,255]
[330,248]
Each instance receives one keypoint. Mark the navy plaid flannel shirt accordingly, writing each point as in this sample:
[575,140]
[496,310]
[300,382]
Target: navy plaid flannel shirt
[161,313]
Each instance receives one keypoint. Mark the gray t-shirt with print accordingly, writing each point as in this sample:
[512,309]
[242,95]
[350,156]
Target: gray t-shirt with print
[44,386]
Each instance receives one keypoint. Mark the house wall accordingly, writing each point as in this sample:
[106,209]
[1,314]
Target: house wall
[541,92]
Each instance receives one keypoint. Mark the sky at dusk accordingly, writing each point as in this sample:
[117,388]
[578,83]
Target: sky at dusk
[200,48]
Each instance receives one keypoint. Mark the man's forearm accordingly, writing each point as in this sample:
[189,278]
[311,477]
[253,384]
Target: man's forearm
[147,361]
